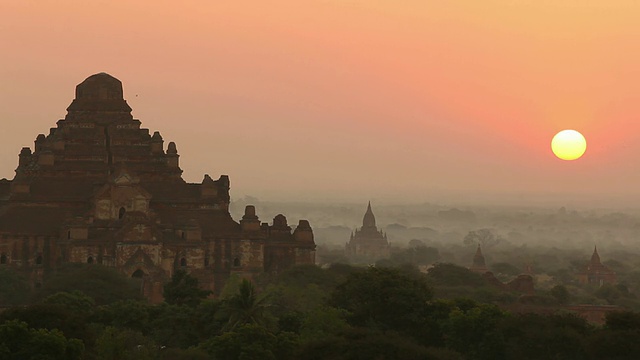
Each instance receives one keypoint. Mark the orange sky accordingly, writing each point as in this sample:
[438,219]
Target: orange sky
[390,100]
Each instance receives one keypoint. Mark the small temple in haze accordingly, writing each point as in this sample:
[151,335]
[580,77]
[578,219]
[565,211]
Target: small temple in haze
[99,189]
[522,283]
[478,265]
[595,273]
[368,244]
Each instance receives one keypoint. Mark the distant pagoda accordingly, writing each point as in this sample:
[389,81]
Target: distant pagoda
[479,265]
[368,243]
[595,273]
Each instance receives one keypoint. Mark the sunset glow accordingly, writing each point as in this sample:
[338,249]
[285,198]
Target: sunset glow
[568,145]
[313,99]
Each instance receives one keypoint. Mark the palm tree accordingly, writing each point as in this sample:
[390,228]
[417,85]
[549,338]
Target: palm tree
[245,307]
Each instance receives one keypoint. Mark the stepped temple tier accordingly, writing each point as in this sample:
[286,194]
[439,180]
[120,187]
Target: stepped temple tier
[100,189]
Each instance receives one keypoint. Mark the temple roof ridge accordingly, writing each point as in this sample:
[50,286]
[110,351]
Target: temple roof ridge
[595,258]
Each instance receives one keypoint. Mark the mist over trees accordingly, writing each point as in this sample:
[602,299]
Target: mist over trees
[552,244]
[421,302]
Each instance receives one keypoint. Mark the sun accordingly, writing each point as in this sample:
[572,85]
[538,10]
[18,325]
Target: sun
[568,145]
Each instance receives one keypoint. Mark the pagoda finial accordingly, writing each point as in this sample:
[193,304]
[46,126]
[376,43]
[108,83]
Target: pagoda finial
[369,219]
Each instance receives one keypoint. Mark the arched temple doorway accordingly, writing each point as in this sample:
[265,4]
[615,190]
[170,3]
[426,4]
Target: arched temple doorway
[138,274]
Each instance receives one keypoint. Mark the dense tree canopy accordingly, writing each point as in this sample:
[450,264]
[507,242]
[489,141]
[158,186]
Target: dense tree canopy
[14,289]
[245,307]
[384,298]
[103,284]
[454,275]
[307,312]
[19,342]
[183,290]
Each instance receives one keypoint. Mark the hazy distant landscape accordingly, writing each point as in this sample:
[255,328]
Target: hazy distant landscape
[319,180]
[517,225]
[554,242]
[341,309]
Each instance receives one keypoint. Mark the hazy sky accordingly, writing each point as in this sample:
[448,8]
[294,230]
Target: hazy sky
[358,100]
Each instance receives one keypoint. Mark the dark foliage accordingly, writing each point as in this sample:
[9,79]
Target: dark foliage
[340,313]
[249,342]
[384,298]
[14,289]
[361,344]
[560,293]
[103,284]
[70,323]
[623,321]
[20,342]
[453,275]
[532,336]
[183,290]
[245,307]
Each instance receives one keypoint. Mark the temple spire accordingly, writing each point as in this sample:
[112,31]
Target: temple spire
[478,259]
[369,219]
[595,258]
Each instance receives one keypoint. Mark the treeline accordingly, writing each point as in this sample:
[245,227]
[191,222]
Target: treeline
[341,312]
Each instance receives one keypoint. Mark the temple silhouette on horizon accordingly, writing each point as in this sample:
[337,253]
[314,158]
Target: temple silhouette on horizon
[368,244]
[479,265]
[595,273]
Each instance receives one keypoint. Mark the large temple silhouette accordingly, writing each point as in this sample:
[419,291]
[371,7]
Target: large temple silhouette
[100,189]
[368,244]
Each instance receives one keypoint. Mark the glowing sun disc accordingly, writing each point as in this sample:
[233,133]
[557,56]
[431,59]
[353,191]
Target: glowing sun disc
[568,145]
